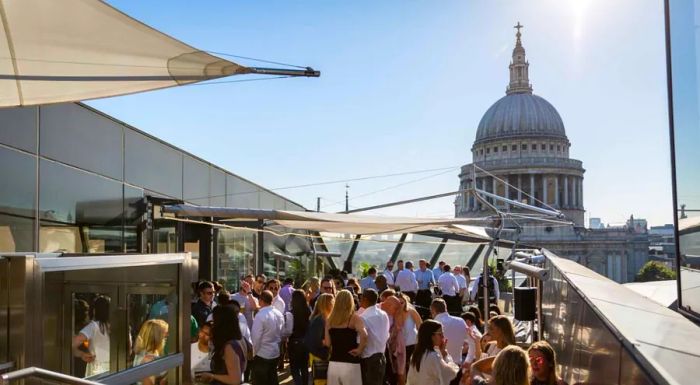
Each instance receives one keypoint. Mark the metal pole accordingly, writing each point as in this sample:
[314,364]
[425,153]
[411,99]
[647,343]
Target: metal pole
[318,204]
[308,72]
[397,249]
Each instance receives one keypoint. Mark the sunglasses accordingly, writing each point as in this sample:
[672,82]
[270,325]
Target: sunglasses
[538,360]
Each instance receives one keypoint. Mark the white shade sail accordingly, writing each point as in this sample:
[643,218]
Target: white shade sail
[55,51]
[338,223]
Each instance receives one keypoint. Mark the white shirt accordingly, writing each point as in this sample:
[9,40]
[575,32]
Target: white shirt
[200,361]
[461,281]
[389,277]
[244,302]
[437,272]
[245,330]
[278,303]
[475,287]
[448,284]
[434,370]
[99,346]
[377,325]
[267,332]
[368,283]
[455,330]
[471,353]
[406,281]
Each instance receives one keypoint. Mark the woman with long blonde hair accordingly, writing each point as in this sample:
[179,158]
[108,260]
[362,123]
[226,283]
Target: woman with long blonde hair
[342,330]
[500,330]
[511,367]
[150,344]
[315,334]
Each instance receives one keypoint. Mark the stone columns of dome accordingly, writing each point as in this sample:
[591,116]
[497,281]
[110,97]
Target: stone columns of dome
[566,191]
[580,193]
[556,191]
[479,184]
[520,188]
[573,193]
[544,190]
[506,187]
[493,190]
[532,189]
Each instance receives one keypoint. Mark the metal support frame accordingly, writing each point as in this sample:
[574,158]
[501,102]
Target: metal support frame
[397,249]
[347,265]
[475,256]
[438,252]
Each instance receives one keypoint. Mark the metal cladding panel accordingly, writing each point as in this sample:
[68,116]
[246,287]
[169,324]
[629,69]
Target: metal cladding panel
[598,350]
[630,372]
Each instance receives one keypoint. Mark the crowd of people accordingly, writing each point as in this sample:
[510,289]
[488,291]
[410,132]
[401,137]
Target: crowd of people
[400,327]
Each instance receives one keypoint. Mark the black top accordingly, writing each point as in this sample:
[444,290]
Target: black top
[301,324]
[343,340]
[201,311]
[314,338]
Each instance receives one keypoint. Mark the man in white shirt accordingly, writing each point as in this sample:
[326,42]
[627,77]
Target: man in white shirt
[200,357]
[273,286]
[454,328]
[462,283]
[246,301]
[388,274]
[266,336]
[476,292]
[376,321]
[450,287]
[406,281]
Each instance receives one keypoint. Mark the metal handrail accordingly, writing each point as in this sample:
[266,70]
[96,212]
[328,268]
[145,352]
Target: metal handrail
[45,374]
[124,377]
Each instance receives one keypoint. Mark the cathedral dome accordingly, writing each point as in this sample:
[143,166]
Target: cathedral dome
[519,115]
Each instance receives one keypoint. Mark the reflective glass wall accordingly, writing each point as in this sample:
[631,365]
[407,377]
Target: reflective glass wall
[73,180]
[683,45]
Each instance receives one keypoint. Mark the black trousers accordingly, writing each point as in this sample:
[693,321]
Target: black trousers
[411,295]
[264,371]
[424,298]
[372,369]
[454,304]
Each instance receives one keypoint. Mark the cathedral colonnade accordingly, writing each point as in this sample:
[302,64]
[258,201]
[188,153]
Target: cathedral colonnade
[560,191]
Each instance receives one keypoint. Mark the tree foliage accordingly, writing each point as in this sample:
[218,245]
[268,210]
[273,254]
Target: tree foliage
[655,271]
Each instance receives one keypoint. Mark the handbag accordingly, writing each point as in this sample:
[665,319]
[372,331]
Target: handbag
[319,368]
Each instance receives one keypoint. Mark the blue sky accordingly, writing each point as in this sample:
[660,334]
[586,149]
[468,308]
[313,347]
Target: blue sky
[403,87]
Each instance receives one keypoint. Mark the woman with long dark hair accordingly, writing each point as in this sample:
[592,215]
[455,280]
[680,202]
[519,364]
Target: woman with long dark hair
[95,337]
[229,359]
[431,363]
[479,318]
[298,354]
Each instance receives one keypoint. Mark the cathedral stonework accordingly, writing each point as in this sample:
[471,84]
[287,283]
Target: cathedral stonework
[521,152]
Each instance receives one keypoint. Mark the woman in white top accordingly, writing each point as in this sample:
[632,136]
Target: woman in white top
[431,363]
[410,327]
[94,338]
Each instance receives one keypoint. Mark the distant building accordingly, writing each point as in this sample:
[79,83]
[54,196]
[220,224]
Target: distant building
[521,152]
[595,223]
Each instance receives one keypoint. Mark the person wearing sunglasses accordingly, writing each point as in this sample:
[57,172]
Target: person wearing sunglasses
[205,304]
[431,363]
[543,362]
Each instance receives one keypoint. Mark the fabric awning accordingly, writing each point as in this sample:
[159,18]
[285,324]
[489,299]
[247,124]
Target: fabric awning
[338,223]
[69,50]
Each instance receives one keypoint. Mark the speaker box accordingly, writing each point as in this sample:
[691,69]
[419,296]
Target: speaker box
[525,303]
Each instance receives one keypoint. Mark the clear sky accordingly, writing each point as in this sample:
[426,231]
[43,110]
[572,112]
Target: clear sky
[403,87]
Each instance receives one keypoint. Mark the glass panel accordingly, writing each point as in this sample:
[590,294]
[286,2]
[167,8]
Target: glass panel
[241,194]
[143,308]
[18,127]
[79,211]
[17,195]
[267,200]
[684,30]
[372,250]
[134,210]
[152,165]
[75,135]
[296,259]
[217,187]
[195,187]
[236,257]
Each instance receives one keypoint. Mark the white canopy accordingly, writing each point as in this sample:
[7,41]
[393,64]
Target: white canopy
[68,50]
[339,223]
